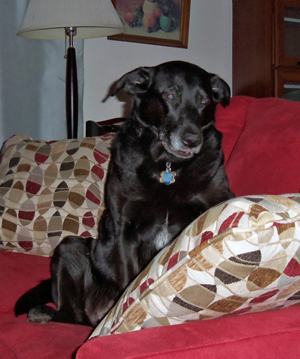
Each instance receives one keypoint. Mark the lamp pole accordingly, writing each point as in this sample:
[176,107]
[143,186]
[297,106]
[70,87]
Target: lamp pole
[71,86]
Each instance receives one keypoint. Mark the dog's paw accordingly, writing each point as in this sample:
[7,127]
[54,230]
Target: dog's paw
[41,314]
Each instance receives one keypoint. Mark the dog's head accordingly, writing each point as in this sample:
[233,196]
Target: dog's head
[177,100]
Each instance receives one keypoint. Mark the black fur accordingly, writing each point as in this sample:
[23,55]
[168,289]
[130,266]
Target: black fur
[172,120]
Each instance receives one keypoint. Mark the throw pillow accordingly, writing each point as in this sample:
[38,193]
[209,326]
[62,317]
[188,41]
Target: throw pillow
[49,190]
[241,256]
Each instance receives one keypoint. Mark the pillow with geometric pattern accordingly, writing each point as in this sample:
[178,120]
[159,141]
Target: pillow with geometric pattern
[241,256]
[49,190]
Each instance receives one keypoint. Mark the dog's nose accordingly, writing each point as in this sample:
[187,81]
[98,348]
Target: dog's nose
[191,140]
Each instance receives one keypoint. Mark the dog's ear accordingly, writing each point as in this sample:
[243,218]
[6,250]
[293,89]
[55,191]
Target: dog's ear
[134,82]
[220,89]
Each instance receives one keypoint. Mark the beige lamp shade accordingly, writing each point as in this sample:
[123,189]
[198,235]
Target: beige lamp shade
[47,19]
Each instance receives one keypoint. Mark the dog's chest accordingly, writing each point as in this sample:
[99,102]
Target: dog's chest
[163,236]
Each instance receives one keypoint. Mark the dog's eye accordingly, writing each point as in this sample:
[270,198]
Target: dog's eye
[170,96]
[205,101]
[202,99]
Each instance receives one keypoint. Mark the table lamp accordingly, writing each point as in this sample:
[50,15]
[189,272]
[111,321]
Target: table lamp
[62,19]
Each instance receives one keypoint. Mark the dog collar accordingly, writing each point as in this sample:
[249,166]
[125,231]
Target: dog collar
[167,177]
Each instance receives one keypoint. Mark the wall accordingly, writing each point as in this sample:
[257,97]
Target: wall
[210,46]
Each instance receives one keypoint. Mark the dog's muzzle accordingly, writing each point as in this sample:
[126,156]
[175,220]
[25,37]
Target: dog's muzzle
[183,144]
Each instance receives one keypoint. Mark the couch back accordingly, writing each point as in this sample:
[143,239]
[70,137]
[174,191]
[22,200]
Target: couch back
[261,145]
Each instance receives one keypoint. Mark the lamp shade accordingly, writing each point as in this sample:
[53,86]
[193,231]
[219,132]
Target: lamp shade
[47,19]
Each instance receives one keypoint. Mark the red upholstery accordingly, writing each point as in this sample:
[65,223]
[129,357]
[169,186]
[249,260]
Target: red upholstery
[231,121]
[267,335]
[261,145]
[19,272]
[19,339]
[264,157]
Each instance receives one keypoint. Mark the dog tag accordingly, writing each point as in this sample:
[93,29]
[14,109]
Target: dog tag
[167,177]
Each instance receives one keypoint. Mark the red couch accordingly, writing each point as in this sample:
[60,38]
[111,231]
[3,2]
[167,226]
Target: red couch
[261,145]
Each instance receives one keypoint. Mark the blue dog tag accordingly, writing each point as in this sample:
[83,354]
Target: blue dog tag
[167,177]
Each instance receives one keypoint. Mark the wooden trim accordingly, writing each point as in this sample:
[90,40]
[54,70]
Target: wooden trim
[285,76]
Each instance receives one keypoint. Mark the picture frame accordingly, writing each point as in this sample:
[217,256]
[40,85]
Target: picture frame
[155,22]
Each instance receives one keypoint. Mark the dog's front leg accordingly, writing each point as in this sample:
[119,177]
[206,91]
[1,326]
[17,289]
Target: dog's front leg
[69,267]
[142,233]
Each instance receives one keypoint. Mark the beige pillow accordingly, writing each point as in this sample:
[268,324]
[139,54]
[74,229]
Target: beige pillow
[241,256]
[49,190]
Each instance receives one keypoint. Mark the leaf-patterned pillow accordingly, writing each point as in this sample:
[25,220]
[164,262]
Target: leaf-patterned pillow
[241,256]
[49,190]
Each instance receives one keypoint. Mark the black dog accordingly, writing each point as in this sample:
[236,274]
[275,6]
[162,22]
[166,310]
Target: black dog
[166,169]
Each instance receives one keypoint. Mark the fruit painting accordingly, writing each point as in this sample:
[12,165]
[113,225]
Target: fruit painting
[158,22]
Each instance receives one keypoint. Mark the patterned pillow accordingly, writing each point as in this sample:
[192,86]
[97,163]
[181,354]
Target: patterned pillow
[241,256]
[49,190]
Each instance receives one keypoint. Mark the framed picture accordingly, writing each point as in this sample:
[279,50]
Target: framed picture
[156,22]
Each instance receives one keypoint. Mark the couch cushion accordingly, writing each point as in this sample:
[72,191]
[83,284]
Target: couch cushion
[19,273]
[23,340]
[241,256]
[265,157]
[49,190]
[268,335]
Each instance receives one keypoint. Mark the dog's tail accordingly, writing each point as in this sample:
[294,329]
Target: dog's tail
[39,295]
